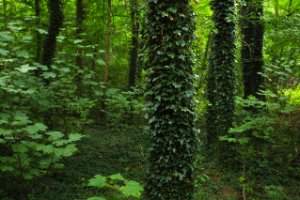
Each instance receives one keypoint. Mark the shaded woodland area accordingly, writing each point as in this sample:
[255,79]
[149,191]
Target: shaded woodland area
[149,99]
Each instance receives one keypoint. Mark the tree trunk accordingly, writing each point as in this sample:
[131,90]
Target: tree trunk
[133,60]
[221,75]
[80,15]
[107,47]
[4,4]
[55,23]
[169,94]
[38,35]
[252,31]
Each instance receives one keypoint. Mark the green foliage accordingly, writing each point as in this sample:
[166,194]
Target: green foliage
[28,149]
[169,94]
[265,141]
[127,188]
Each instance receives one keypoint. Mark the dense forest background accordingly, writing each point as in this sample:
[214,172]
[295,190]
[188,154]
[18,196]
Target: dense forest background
[218,82]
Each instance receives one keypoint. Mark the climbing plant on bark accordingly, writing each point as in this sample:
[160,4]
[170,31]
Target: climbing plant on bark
[221,75]
[169,93]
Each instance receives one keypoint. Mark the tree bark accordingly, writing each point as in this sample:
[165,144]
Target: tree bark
[107,47]
[80,15]
[133,59]
[55,23]
[252,31]
[37,24]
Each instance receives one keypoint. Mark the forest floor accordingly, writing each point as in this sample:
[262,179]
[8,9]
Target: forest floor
[100,152]
[108,152]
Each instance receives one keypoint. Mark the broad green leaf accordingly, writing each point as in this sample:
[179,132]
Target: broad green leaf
[35,128]
[98,181]
[69,150]
[118,177]
[100,62]
[49,75]
[5,132]
[54,135]
[96,198]
[132,188]
[22,54]
[75,137]
[3,52]
[42,31]
[20,148]
[25,68]
[6,168]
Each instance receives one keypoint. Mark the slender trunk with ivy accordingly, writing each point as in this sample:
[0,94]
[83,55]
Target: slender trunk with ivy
[252,31]
[169,33]
[133,60]
[221,74]
[55,23]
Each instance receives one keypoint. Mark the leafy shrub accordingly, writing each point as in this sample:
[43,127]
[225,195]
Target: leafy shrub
[117,182]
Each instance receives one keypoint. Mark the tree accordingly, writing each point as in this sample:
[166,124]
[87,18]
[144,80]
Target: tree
[133,60]
[221,75]
[80,15]
[108,38]
[37,8]
[252,31]
[55,23]
[169,33]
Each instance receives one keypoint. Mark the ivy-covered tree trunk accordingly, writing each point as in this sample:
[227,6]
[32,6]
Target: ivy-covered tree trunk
[252,30]
[221,75]
[169,33]
[133,60]
[55,23]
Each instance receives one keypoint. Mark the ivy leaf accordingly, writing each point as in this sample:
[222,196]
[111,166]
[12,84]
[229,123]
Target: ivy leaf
[98,181]
[132,188]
